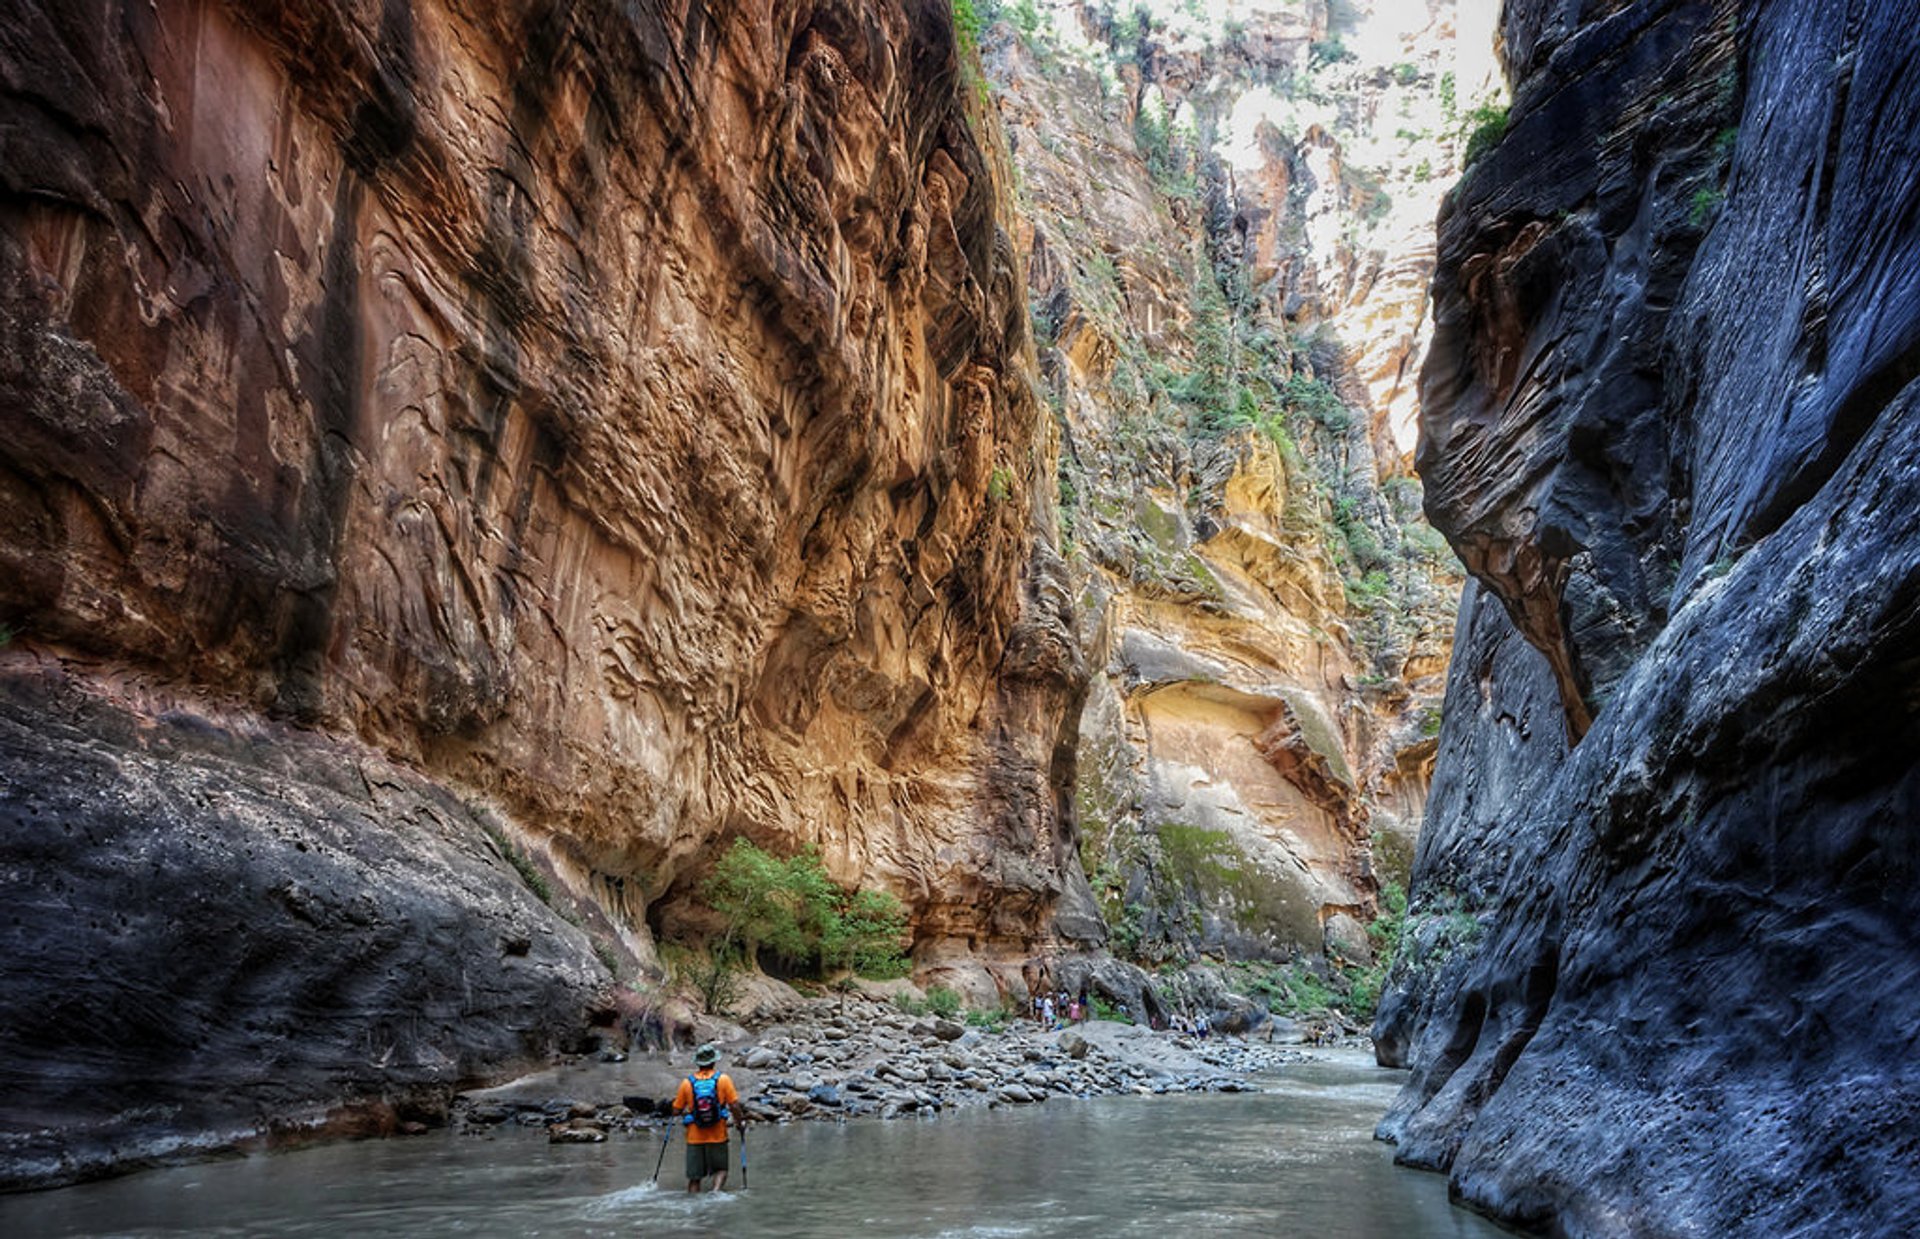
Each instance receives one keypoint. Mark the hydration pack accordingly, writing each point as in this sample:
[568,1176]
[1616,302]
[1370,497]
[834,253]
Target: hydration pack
[707,1109]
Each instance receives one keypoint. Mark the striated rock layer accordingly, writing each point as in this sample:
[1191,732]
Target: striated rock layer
[1229,245]
[1662,975]
[617,412]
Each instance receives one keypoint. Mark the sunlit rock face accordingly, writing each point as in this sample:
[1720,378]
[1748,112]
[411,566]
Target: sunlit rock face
[1662,977]
[1230,237]
[617,412]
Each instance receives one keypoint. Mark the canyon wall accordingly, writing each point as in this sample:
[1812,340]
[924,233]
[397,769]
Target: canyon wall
[1227,216]
[1661,973]
[445,440]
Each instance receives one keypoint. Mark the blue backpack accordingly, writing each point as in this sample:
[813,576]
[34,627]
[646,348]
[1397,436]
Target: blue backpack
[707,1109]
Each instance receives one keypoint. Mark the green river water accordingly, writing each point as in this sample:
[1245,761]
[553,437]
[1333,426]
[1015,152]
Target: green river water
[1297,1159]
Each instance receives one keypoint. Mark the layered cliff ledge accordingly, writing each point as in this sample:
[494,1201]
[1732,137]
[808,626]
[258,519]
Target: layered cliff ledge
[1228,219]
[1663,978]
[615,415]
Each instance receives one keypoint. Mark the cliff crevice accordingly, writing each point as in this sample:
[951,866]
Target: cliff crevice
[1653,976]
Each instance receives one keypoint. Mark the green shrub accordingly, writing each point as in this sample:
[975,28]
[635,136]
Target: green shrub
[943,1002]
[863,933]
[792,908]
[522,865]
[1706,201]
[1328,51]
[967,25]
[1486,125]
[1317,400]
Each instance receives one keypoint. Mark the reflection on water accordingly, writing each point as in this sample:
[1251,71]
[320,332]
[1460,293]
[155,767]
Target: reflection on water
[1297,1160]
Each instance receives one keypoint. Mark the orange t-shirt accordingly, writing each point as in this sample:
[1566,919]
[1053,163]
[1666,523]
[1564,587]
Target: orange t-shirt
[683,1102]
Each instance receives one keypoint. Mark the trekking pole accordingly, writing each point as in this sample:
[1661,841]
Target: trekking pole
[743,1157]
[665,1139]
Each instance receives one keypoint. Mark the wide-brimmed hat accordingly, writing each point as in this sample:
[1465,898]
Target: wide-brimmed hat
[706,1056]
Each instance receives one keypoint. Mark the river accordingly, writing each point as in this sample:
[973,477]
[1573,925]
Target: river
[1297,1159]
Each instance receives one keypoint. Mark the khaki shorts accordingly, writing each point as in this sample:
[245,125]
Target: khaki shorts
[706,1159]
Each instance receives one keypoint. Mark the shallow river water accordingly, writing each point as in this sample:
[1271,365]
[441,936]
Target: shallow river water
[1296,1160]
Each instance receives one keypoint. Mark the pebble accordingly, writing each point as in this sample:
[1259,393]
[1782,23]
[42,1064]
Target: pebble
[882,1063]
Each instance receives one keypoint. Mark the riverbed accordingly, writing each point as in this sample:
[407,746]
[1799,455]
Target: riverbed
[1297,1158]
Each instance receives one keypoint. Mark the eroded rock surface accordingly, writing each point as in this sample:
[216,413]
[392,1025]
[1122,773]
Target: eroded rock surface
[1229,239]
[616,411]
[1662,976]
[225,932]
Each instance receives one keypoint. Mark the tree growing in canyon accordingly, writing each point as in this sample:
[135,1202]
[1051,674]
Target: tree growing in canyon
[792,909]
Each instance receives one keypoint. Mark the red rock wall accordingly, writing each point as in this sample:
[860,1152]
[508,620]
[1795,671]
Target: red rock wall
[594,405]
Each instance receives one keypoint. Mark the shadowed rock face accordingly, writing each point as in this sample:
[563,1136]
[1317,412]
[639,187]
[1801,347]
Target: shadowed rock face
[1663,980]
[224,932]
[615,410]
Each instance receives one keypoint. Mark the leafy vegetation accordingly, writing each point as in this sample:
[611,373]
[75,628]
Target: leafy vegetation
[967,25]
[523,865]
[1485,125]
[1706,201]
[940,1000]
[793,910]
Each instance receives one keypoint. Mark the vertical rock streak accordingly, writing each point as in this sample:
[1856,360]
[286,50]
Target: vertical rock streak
[618,412]
[1226,303]
[1660,969]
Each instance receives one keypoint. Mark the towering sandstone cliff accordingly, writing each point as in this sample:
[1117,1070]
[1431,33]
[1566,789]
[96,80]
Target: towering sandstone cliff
[1663,975]
[1228,217]
[441,436]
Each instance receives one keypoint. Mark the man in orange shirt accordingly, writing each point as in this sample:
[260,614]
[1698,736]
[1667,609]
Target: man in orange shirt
[706,1099]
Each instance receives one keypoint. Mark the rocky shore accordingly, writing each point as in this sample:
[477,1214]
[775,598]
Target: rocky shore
[864,1057]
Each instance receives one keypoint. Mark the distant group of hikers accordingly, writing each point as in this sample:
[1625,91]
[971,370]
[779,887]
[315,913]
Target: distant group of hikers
[1194,1026]
[1050,1010]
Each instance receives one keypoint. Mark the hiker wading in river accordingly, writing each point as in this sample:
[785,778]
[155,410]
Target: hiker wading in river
[706,1100]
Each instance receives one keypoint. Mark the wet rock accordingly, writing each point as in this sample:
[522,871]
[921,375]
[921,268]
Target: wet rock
[824,1095]
[1659,878]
